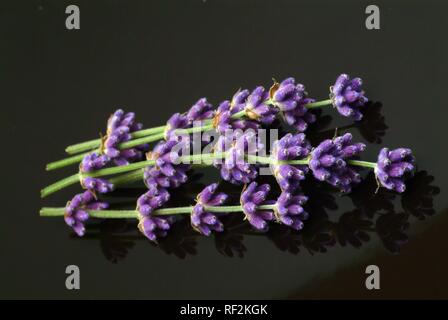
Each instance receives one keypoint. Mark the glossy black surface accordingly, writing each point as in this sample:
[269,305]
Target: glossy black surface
[157,58]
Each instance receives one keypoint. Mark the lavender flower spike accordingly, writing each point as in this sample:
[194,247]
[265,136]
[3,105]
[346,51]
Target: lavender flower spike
[201,110]
[328,162]
[177,121]
[75,211]
[97,184]
[348,96]
[291,99]
[257,107]
[393,167]
[223,120]
[203,221]
[238,101]
[166,173]
[153,227]
[290,147]
[253,197]
[119,128]
[234,168]
[95,161]
[289,209]
[151,200]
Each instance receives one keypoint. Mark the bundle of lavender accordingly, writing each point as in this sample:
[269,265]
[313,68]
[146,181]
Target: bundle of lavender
[236,150]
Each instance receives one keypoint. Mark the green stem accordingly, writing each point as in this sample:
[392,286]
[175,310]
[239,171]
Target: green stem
[125,145]
[267,207]
[93,144]
[260,159]
[319,104]
[360,163]
[64,183]
[65,162]
[127,178]
[120,169]
[295,162]
[61,184]
[140,141]
[124,214]
[240,114]
[224,209]
[147,132]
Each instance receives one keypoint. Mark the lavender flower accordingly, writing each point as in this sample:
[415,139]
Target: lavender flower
[291,99]
[289,209]
[151,200]
[154,227]
[235,168]
[393,167]
[203,221]
[328,162]
[94,161]
[253,197]
[177,121]
[257,107]
[119,128]
[167,172]
[97,184]
[223,120]
[290,147]
[300,117]
[201,110]
[238,101]
[348,96]
[75,214]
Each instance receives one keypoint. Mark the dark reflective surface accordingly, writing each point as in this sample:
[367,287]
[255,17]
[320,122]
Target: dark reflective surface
[157,58]
[374,215]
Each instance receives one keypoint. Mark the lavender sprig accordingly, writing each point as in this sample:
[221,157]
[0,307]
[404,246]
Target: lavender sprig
[202,220]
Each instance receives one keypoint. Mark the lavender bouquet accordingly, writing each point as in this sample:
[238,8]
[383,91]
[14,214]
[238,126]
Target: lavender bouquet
[123,156]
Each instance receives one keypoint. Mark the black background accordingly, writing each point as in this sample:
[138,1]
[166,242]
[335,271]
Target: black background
[158,57]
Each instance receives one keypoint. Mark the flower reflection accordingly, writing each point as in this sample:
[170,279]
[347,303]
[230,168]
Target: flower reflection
[418,199]
[374,213]
[372,127]
[391,228]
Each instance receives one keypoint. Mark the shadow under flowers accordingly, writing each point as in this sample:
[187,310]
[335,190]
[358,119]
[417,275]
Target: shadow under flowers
[372,127]
[384,214]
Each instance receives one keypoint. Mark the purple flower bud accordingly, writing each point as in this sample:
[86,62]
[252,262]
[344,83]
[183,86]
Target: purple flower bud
[348,96]
[234,167]
[253,197]
[177,121]
[291,99]
[94,161]
[166,173]
[290,147]
[76,215]
[289,209]
[201,110]
[238,101]
[151,200]
[97,184]
[119,128]
[328,162]
[223,120]
[300,117]
[154,227]
[257,107]
[393,167]
[203,221]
